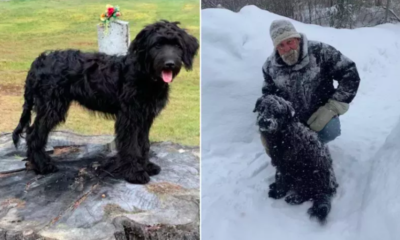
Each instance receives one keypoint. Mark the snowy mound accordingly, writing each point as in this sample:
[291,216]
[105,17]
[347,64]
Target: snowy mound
[236,171]
[381,208]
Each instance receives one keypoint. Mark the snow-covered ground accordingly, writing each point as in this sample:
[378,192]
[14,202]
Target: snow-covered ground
[236,171]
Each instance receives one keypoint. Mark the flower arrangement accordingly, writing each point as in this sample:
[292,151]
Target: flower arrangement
[110,14]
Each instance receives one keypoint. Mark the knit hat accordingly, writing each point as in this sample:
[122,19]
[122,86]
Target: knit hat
[281,30]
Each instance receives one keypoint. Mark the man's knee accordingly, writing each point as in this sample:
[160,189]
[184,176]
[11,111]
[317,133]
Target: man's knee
[331,131]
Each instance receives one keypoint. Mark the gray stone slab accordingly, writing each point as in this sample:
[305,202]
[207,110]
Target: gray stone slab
[74,203]
[11,165]
[117,40]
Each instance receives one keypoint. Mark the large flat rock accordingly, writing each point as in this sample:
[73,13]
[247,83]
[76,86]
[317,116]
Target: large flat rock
[75,203]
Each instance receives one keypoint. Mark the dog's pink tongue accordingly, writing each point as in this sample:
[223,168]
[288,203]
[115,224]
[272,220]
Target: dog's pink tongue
[167,76]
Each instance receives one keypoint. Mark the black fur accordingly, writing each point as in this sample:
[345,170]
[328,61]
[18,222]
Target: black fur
[303,164]
[129,89]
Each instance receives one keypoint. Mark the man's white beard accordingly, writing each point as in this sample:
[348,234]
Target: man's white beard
[291,57]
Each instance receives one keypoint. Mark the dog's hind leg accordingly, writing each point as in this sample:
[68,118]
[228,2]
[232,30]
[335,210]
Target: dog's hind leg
[47,118]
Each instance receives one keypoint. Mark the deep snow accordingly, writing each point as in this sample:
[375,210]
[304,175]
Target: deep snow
[236,171]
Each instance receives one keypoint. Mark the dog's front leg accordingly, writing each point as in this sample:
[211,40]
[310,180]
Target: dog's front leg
[130,162]
[280,187]
[150,167]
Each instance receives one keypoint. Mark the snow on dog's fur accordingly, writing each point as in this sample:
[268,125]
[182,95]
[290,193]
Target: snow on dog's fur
[303,164]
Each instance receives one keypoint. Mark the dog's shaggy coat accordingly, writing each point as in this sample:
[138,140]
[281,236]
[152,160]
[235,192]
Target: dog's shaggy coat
[303,164]
[132,89]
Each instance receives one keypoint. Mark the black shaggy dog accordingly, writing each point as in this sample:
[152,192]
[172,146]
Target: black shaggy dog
[303,164]
[132,89]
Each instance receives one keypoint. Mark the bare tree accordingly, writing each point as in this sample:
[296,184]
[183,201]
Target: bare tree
[387,10]
[333,13]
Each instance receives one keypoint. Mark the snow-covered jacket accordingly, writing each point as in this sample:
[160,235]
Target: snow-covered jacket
[309,83]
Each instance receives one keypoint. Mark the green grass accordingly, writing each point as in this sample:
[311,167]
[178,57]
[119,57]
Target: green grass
[29,27]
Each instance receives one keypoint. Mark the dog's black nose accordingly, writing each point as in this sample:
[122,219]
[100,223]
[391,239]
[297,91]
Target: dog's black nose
[169,64]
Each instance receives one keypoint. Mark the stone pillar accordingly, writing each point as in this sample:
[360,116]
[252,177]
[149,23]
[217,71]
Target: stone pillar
[117,40]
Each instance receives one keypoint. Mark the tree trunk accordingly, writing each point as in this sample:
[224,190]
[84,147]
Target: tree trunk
[387,11]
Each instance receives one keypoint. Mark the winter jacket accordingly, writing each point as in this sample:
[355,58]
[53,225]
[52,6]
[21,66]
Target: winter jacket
[309,83]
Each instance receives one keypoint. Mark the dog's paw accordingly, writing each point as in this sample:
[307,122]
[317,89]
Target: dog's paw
[276,194]
[139,177]
[152,169]
[295,199]
[135,174]
[319,211]
[41,163]
[44,169]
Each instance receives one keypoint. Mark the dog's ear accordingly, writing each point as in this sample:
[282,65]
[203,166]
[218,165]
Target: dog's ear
[140,43]
[289,109]
[257,106]
[190,48]
[139,47]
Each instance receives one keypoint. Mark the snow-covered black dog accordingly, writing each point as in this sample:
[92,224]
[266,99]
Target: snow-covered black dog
[131,89]
[303,164]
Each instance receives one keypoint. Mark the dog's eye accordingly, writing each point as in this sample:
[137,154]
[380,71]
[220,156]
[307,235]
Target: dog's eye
[158,46]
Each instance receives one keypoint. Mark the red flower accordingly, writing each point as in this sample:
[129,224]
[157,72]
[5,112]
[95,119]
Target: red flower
[110,11]
[118,14]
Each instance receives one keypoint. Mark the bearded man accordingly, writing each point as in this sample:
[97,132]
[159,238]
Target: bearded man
[303,72]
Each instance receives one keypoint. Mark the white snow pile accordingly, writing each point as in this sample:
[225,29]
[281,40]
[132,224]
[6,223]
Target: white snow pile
[236,171]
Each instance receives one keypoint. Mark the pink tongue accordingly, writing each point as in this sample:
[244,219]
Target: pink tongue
[167,76]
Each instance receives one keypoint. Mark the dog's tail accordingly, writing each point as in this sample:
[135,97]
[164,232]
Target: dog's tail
[321,207]
[27,108]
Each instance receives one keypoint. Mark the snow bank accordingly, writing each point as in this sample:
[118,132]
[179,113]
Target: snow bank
[235,170]
[381,199]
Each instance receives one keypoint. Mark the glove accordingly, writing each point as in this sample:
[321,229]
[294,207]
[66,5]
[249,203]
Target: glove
[324,114]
